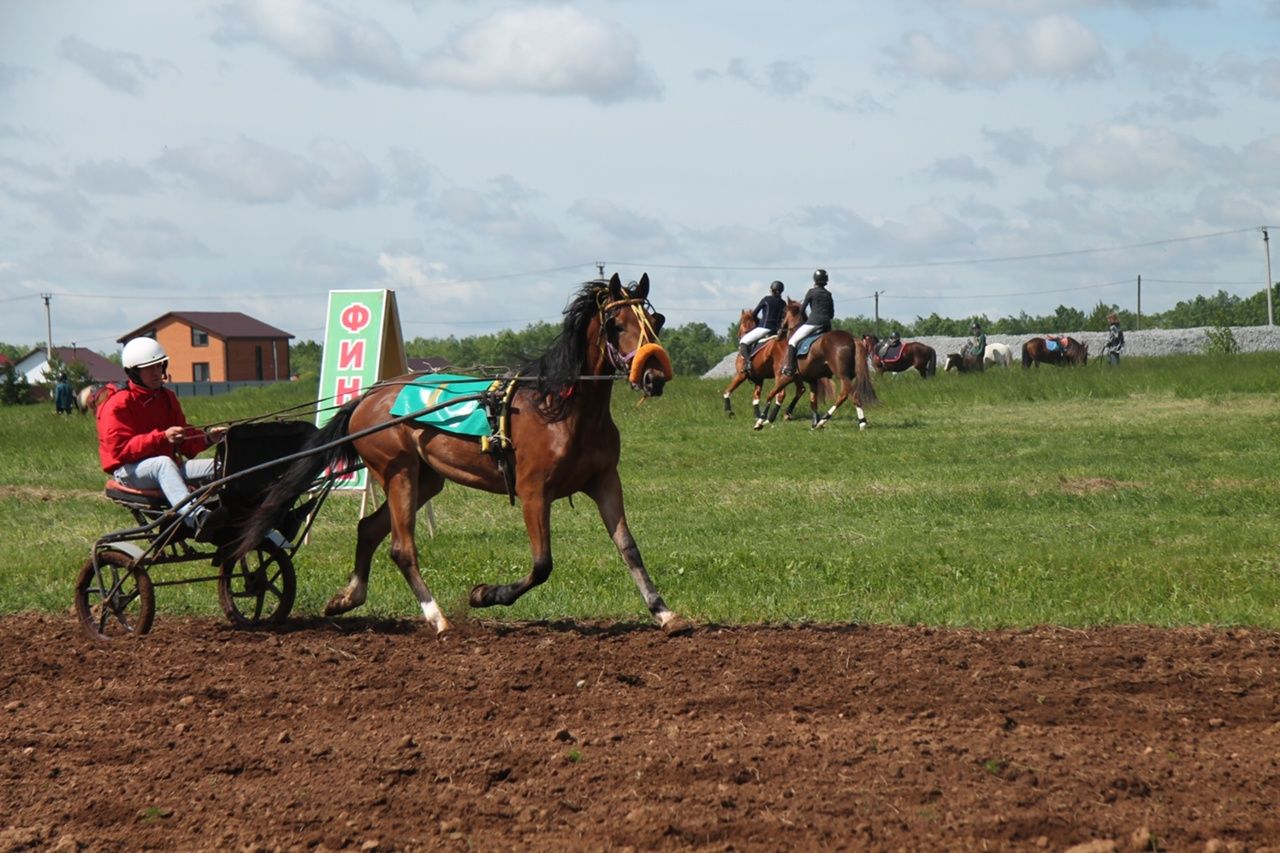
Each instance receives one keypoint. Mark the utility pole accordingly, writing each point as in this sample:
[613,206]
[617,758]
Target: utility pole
[600,268]
[877,295]
[1266,246]
[1139,326]
[48,326]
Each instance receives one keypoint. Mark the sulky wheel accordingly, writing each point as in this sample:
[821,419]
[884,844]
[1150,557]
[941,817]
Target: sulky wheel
[113,599]
[257,590]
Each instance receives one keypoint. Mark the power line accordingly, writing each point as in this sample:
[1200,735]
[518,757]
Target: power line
[951,262]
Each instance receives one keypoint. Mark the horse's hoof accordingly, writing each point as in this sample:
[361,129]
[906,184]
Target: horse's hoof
[481,595]
[759,426]
[678,626]
[337,605]
[729,414]
[862,425]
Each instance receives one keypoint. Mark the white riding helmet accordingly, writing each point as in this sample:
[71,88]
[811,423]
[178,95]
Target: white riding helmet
[142,352]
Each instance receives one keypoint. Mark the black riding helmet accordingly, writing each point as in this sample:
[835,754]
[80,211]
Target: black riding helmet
[820,277]
[776,288]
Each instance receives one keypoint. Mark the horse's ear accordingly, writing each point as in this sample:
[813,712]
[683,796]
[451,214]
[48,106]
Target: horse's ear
[658,321]
[615,287]
[642,288]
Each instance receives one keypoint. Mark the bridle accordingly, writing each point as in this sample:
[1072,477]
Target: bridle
[648,335]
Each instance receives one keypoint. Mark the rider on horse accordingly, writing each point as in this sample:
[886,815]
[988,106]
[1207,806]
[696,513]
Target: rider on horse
[818,310]
[768,316]
[977,345]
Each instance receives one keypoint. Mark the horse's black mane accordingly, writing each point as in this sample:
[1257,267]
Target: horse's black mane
[557,369]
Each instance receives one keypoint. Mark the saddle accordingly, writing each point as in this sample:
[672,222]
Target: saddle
[893,352]
[1054,344]
[802,348]
[486,416]
[761,344]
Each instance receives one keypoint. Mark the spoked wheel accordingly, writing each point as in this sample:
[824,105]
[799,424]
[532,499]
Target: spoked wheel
[256,591]
[114,600]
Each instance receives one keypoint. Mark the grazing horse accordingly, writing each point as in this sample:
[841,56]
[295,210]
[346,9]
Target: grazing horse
[90,397]
[833,354]
[555,438]
[997,355]
[765,362]
[963,363]
[1066,351]
[913,354]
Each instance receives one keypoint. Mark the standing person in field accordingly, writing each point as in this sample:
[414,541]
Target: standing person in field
[768,316]
[64,399]
[143,434]
[1115,340]
[819,311]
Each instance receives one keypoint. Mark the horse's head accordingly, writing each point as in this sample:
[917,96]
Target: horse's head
[631,328]
[746,322]
[1079,352]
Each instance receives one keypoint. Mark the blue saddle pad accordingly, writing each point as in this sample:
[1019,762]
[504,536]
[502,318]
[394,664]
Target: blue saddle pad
[434,391]
[802,349]
[1052,345]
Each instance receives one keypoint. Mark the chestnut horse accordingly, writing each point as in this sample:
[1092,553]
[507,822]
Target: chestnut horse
[91,396]
[914,354]
[1068,351]
[763,363]
[833,354]
[562,440]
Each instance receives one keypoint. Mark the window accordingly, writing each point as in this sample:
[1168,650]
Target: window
[200,371]
[199,337]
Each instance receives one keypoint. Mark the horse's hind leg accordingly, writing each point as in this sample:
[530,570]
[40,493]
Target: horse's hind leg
[607,493]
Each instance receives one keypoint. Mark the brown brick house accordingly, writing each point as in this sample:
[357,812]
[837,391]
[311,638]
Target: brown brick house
[218,346]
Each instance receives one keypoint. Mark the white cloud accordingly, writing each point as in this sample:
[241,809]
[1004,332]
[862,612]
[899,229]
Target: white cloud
[1131,157]
[961,168]
[112,177]
[153,239]
[320,40]
[781,77]
[1053,46]
[336,176]
[1018,146]
[545,50]
[12,75]
[117,70]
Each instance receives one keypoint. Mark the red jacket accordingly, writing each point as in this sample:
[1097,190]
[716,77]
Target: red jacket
[131,425]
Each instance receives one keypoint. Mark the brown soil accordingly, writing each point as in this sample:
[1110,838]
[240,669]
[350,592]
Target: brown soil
[374,735]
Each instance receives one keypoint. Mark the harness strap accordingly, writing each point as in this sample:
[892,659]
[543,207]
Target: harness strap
[497,404]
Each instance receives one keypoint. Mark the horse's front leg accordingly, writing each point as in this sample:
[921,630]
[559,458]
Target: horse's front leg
[821,421]
[773,403]
[606,491]
[738,379]
[537,521]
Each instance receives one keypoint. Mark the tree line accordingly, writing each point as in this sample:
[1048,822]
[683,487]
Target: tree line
[695,348]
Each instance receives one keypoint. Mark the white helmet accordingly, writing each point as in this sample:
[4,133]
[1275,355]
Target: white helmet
[142,352]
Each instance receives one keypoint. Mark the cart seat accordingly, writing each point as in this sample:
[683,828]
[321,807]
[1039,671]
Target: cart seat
[141,498]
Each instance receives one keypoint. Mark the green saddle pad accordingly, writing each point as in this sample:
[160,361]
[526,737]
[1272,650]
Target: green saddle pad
[431,390]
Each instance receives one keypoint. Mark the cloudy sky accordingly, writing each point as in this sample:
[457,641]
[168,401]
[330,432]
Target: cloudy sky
[960,156]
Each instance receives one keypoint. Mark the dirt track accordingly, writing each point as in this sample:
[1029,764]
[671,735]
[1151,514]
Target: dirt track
[365,735]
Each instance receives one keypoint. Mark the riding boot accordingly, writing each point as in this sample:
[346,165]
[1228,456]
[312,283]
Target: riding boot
[744,350]
[789,369]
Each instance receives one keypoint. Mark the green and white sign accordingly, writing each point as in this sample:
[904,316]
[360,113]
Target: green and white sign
[362,344]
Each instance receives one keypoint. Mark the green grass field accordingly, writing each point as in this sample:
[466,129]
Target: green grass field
[1145,494]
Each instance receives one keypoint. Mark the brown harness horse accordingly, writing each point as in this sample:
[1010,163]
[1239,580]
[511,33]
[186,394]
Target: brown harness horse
[764,364]
[833,354]
[1069,351]
[562,440]
[914,354]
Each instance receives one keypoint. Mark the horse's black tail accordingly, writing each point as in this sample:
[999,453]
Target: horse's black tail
[297,478]
[1026,356]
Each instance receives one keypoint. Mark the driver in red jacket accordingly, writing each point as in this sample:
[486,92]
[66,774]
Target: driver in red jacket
[143,434]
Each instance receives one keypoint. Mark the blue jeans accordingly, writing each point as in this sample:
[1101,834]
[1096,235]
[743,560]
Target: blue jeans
[164,473]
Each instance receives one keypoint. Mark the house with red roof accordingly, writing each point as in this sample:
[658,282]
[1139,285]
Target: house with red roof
[218,346]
